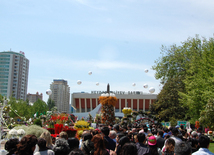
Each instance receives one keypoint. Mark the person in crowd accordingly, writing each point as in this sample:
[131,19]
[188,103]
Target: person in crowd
[203,143]
[26,145]
[140,143]
[86,136]
[129,127]
[146,131]
[99,145]
[47,136]
[169,147]
[170,130]
[76,152]
[63,134]
[125,130]
[120,135]
[160,139]
[43,149]
[194,135]
[81,139]
[174,136]
[154,132]
[166,137]
[129,149]
[116,128]
[182,148]
[112,135]
[11,145]
[111,143]
[166,130]
[134,130]
[123,140]
[181,128]
[199,131]
[87,145]
[61,145]
[73,143]
[152,143]
[194,144]
[110,127]
[53,140]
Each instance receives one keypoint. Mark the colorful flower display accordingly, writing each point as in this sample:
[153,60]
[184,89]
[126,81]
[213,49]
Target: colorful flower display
[108,103]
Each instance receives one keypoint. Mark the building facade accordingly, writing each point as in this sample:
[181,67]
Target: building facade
[60,95]
[85,102]
[34,97]
[14,68]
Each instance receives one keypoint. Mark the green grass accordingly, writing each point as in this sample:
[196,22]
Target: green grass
[211,148]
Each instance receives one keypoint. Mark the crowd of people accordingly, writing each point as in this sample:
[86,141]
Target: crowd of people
[115,140]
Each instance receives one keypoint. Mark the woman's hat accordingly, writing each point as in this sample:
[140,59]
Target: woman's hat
[152,140]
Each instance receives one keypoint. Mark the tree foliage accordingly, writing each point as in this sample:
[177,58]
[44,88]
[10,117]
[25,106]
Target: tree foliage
[191,66]
[23,109]
[207,115]
[167,106]
[40,107]
[51,104]
[199,81]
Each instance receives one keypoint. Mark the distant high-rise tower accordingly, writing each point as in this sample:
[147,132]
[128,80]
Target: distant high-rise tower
[60,95]
[14,69]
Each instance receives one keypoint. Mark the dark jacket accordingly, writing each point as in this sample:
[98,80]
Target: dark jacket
[111,144]
[160,142]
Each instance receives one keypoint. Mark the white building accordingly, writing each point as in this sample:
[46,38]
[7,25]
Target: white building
[60,95]
[85,102]
[14,68]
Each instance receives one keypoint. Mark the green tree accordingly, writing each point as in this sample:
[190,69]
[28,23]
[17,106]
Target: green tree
[51,104]
[189,65]
[19,108]
[167,106]
[207,115]
[199,81]
[40,107]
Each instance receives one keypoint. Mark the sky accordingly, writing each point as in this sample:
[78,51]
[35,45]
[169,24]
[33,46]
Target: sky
[115,40]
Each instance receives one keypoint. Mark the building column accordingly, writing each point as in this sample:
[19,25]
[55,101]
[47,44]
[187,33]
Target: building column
[144,104]
[85,105]
[119,105]
[131,103]
[126,104]
[96,102]
[138,100]
[90,104]
[80,108]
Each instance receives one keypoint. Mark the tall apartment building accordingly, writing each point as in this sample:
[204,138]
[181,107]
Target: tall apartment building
[34,97]
[14,68]
[60,95]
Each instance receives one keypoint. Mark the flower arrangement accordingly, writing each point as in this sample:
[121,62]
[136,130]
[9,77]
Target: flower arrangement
[90,118]
[13,133]
[81,125]
[108,102]
[134,113]
[126,111]
[29,130]
[98,119]
[21,133]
